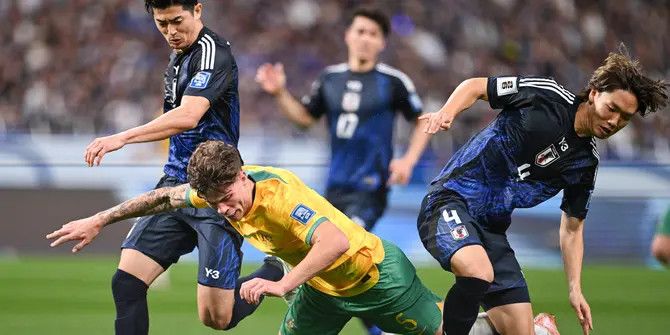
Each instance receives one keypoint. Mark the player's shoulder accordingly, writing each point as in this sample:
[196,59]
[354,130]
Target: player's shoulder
[269,174]
[335,69]
[547,87]
[211,51]
[396,74]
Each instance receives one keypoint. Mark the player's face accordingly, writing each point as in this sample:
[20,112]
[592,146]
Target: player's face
[179,26]
[232,201]
[611,111]
[365,39]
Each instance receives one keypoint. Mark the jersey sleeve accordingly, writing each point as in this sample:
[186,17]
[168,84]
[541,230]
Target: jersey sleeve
[576,198]
[314,101]
[193,200]
[407,101]
[300,212]
[211,73]
[516,91]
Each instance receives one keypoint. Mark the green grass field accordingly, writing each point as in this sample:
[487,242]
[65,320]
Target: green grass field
[72,296]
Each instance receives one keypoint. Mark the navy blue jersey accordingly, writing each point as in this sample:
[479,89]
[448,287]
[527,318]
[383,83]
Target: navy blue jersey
[360,110]
[207,69]
[528,154]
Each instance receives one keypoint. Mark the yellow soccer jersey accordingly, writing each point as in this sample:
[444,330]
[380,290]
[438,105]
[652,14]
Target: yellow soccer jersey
[283,218]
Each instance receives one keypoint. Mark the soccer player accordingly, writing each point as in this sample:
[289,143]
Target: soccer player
[360,99]
[542,142]
[348,270]
[201,103]
[660,246]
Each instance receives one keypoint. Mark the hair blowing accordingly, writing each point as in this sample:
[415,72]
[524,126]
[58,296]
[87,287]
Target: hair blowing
[620,71]
[213,164]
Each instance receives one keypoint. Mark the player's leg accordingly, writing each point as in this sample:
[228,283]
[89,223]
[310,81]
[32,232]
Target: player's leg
[660,248]
[508,300]
[219,304]
[364,209]
[399,303]
[451,235]
[152,245]
[313,312]
[545,324]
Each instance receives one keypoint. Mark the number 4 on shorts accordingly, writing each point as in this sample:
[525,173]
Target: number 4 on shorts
[452,217]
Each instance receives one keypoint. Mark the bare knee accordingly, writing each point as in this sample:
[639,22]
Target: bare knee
[472,261]
[660,248]
[215,306]
[215,317]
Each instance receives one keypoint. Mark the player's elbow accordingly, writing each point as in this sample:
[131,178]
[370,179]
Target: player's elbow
[215,318]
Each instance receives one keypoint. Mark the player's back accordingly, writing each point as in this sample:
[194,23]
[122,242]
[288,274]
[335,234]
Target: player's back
[360,108]
[282,221]
[527,154]
[207,69]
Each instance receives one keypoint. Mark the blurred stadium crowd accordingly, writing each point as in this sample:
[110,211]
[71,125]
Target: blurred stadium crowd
[93,66]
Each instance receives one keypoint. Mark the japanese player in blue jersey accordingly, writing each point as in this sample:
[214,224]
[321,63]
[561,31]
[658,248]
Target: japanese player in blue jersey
[360,99]
[201,103]
[541,142]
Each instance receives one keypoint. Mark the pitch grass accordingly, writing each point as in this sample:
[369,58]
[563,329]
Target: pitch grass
[72,296]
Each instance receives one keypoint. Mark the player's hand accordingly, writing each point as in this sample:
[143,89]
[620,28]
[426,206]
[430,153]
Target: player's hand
[437,121]
[102,145]
[252,290]
[272,78]
[400,172]
[84,231]
[583,311]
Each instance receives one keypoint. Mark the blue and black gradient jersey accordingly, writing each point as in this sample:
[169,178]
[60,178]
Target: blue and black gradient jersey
[207,69]
[528,154]
[360,108]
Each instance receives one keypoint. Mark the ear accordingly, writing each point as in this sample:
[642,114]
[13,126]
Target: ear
[197,11]
[592,96]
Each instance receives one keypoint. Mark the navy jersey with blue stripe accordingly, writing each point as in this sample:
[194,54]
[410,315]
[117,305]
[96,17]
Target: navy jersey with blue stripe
[207,69]
[528,154]
[360,108]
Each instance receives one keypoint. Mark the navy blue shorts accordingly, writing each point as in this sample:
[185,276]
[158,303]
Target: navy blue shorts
[445,226]
[166,236]
[364,208]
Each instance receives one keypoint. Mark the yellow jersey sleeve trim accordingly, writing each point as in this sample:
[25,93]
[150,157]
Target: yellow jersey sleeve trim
[193,200]
[311,230]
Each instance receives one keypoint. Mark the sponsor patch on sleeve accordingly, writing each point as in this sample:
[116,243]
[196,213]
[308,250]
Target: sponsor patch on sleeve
[506,85]
[302,213]
[200,80]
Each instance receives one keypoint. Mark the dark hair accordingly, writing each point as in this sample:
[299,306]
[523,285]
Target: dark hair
[213,164]
[374,14]
[162,4]
[620,71]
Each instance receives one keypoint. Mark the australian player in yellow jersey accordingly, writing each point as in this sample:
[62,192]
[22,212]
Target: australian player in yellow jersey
[347,271]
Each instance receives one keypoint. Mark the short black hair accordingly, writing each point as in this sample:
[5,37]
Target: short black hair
[162,4]
[374,14]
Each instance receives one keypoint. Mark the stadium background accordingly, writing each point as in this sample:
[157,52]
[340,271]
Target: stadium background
[72,70]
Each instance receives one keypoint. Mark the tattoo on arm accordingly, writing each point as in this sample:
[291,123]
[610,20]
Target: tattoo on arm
[155,201]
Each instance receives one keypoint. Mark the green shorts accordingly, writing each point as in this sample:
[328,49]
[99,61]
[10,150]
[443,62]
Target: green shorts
[399,303]
[664,224]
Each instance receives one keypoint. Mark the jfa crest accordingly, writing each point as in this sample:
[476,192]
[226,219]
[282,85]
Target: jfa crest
[459,233]
[546,156]
[302,213]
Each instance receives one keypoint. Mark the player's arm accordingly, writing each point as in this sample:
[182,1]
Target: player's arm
[463,97]
[328,244]
[155,201]
[177,120]
[572,249]
[272,79]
